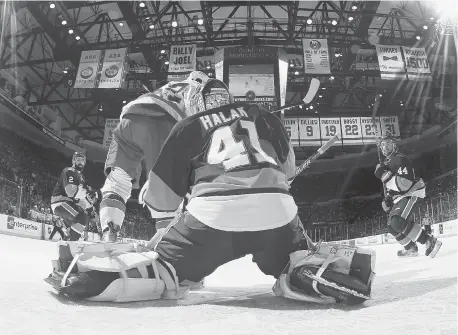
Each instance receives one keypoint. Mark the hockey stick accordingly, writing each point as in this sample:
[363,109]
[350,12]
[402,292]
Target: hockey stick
[313,90]
[317,154]
[374,113]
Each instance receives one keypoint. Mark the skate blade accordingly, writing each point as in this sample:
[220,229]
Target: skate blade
[436,249]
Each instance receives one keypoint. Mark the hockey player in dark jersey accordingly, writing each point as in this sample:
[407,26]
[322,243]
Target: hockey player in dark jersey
[71,197]
[403,191]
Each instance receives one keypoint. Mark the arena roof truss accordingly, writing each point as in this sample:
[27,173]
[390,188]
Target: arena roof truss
[41,52]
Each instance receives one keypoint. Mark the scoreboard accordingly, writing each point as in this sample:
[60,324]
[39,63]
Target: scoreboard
[315,131]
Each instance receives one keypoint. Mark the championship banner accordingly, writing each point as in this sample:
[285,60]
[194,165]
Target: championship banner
[205,63]
[87,69]
[369,130]
[417,63]
[352,133]
[110,125]
[329,127]
[113,68]
[316,56]
[391,62]
[309,131]
[292,127]
[390,124]
[182,61]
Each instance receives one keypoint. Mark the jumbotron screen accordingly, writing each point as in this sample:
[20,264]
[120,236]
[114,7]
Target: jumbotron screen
[252,80]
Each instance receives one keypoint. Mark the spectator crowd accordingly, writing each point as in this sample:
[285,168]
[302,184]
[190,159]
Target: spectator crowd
[327,203]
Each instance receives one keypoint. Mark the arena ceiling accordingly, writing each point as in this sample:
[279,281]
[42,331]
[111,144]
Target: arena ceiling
[41,42]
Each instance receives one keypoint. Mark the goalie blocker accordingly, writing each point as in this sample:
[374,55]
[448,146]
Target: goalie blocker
[123,272]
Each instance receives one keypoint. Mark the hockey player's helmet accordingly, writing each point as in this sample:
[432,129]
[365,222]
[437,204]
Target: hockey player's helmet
[387,144]
[79,161]
[199,76]
[214,93]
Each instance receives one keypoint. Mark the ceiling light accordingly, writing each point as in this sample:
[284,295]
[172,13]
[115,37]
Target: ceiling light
[141,4]
[65,71]
[431,18]
[296,73]
[162,51]
[200,21]
[64,22]
[166,62]
[418,37]
[350,18]
[70,31]
[291,65]
[331,77]
[77,38]
[174,24]
[151,26]
[425,27]
[121,24]
[52,5]
[380,95]
[320,96]
[354,7]
[311,107]
[124,101]
[208,67]
[334,22]
[309,21]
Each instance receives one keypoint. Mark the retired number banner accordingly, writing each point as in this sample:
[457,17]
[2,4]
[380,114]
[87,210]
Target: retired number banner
[391,62]
[292,127]
[87,69]
[417,63]
[352,132]
[309,131]
[369,130]
[390,125]
[329,127]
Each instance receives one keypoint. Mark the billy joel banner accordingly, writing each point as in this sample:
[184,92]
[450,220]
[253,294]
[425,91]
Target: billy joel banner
[88,69]
[316,56]
[417,63]
[182,61]
[110,125]
[113,68]
[314,131]
[391,62]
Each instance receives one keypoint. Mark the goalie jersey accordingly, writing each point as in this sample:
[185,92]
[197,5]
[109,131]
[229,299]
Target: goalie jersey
[400,180]
[234,162]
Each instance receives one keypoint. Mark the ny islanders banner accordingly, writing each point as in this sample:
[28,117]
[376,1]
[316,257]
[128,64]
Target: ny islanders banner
[391,62]
[87,69]
[113,68]
[316,56]
[182,61]
[110,125]
[417,63]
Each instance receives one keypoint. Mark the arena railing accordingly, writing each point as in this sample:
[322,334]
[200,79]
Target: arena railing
[431,211]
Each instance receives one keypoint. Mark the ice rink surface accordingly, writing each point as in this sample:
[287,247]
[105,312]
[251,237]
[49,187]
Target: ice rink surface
[410,296]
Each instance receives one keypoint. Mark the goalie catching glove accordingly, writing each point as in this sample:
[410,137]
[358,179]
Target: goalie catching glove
[331,273]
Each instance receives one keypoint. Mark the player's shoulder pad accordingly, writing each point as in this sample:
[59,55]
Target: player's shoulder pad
[152,105]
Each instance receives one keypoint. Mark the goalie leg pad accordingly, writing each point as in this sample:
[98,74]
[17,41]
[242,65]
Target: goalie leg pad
[117,272]
[332,273]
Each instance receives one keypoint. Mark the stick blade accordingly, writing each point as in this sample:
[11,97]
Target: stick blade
[313,89]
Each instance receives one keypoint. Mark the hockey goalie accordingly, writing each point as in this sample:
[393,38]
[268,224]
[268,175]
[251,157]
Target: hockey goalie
[232,161]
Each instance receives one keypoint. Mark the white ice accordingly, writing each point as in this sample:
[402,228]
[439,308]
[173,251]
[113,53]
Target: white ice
[410,296]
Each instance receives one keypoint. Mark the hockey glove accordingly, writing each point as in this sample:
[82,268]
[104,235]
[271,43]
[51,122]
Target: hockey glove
[387,204]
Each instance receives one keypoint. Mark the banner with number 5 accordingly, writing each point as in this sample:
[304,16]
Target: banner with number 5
[390,124]
[329,127]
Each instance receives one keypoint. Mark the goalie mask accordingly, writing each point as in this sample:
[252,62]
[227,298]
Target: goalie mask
[214,93]
[387,145]
[79,161]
